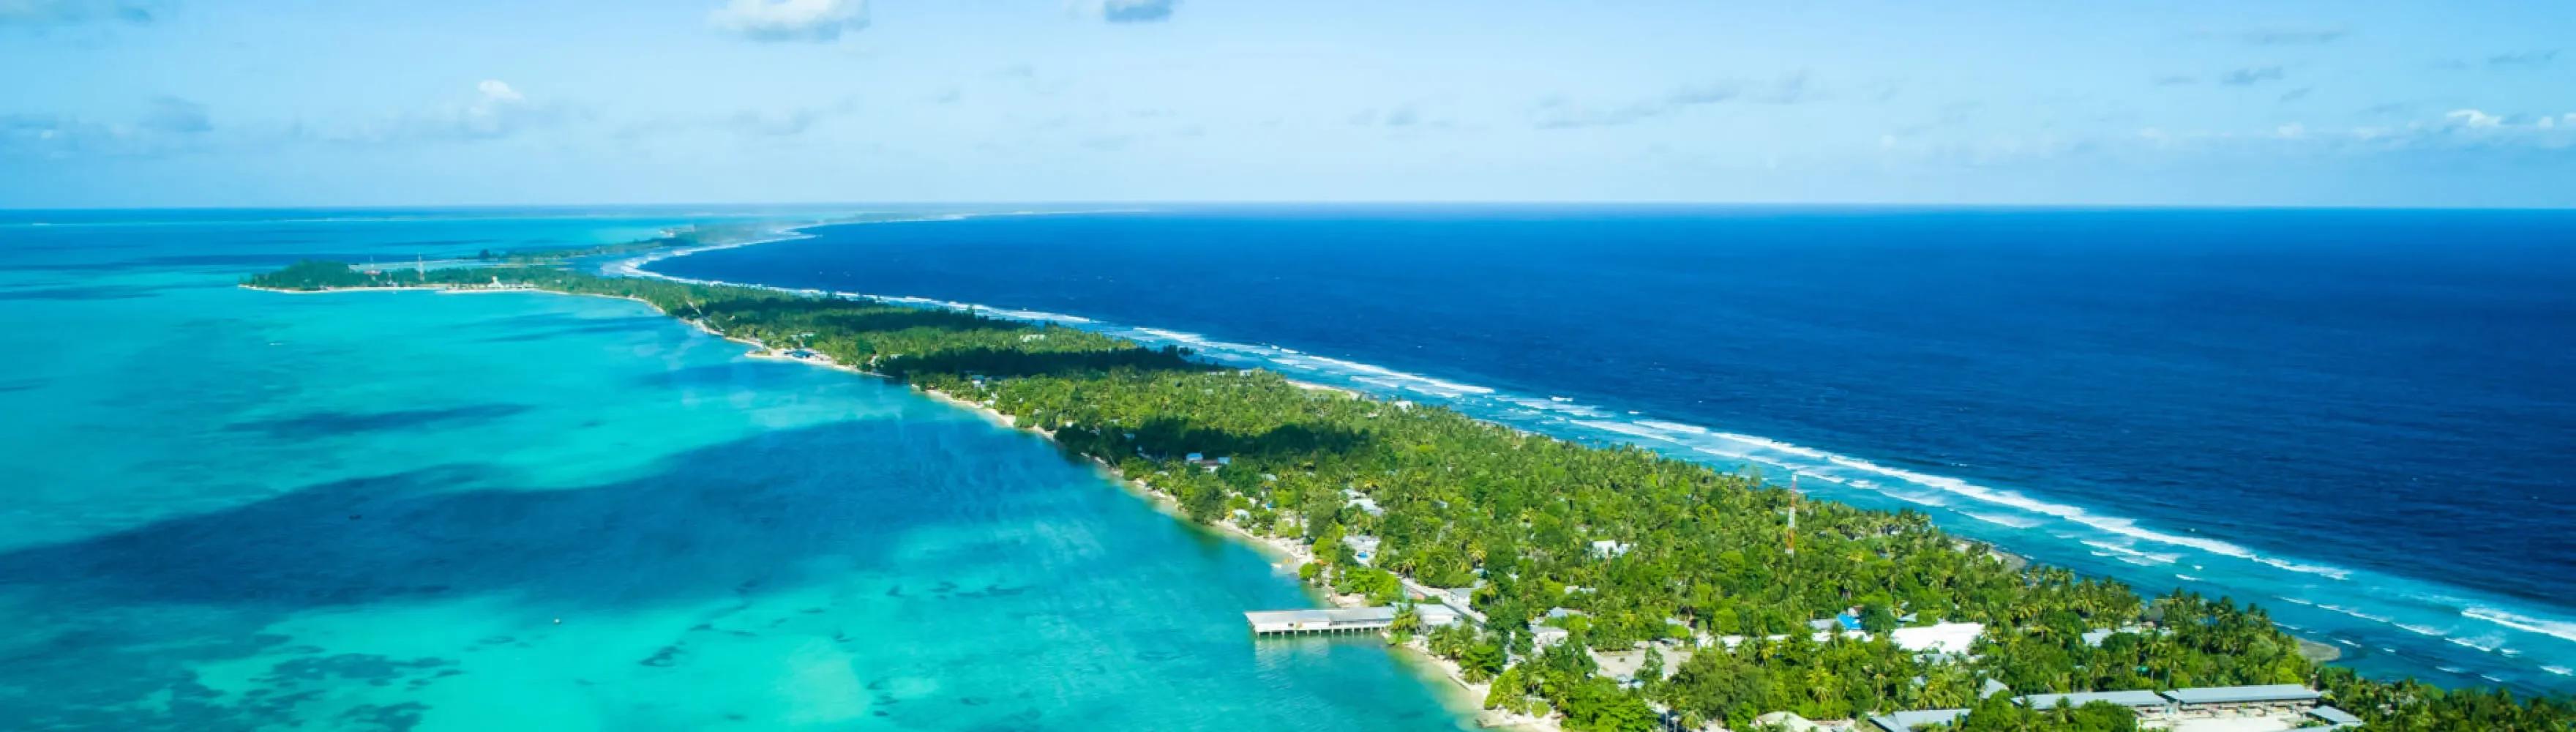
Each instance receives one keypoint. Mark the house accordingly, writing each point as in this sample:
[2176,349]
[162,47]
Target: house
[1846,622]
[1789,721]
[1991,688]
[1458,596]
[1542,636]
[1361,500]
[1607,548]
[1938,638]
[1363,548]
[1909,721]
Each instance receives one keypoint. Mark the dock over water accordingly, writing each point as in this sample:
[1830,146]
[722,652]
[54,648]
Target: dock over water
[1340,620]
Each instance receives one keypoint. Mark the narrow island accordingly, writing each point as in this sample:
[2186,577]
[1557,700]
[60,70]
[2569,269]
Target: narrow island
[1567,585]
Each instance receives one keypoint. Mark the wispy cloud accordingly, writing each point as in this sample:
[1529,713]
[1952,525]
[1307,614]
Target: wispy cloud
[788,122]
[812,21]
[2523,59]
[2251,76]
[2285,36]
[763,122]
[67,12]
[177,116]
[1125,11]
[169,125]
[2459,130]
[1792,88]
[495,111]
[1402,115]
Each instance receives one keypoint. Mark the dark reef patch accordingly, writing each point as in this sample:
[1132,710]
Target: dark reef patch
[329,424]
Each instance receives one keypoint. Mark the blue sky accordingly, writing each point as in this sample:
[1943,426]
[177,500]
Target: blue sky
[370,102]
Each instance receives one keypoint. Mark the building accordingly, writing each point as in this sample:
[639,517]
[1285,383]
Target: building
[1362,501]
[2145,703]
[2335,718]
[1908,721]
[1542,636]
[1992,687]
[1938,637]
[1363,547]
[1785,720]
[1846,623]
[1607,548]
[2243,701]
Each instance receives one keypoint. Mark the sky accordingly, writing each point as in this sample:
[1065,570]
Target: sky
[156,103]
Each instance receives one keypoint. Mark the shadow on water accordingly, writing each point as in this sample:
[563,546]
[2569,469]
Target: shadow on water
[77,293]
[113,625]
[320,425]
[578,326]
[737,373]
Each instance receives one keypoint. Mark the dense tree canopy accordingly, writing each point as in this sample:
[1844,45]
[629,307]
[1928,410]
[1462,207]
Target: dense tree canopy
[1459,502]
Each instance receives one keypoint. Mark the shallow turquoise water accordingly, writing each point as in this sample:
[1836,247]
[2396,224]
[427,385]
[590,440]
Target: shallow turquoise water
[227,509]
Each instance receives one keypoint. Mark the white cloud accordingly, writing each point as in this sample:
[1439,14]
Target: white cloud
[1790,88]
[496,91]
[495,111]
[813,21]
[2473,118]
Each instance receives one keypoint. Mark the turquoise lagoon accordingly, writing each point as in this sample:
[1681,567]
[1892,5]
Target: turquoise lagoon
[226,509]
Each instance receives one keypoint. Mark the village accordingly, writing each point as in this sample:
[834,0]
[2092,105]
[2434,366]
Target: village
[2245,708]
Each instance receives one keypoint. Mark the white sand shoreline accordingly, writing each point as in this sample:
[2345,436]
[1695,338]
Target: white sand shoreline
[1288,555]
[1465,698]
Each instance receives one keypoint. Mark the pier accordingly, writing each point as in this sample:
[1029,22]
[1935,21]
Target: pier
[1341,620]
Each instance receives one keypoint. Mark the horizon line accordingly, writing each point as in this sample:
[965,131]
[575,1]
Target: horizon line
[1641,203]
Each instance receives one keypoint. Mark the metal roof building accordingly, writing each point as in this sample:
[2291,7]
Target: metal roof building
[2336,717]
[2130,699]
[1907,721]
[2264,694]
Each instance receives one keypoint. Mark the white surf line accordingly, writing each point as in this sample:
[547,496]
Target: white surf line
[634,267]
[1562,411]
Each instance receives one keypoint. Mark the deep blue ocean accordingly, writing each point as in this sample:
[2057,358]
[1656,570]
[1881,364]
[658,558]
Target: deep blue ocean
[2363,420]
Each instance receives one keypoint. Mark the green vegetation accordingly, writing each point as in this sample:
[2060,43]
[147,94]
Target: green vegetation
[1457,501]
[1998,713]
[330,275]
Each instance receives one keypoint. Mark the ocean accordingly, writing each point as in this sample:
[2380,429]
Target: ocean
[236,510]
[2362,420]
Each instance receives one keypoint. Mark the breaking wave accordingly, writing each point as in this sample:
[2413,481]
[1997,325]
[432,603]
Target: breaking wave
[2121,539]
